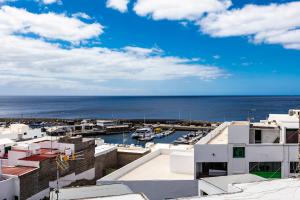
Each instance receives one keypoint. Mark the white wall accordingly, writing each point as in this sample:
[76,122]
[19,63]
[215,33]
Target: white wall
[264,153]
[14,156]
[253,153]
[238,133]
[182,162]
[236,165]
[267,135]
[8,188]
[211,153]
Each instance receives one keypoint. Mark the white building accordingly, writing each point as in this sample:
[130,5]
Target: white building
[164,162]
[268,148]
[105,123]
[20,132]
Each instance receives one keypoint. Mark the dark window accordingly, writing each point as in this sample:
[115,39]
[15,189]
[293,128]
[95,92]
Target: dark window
[257,136]
[211,169]
[238,152]
[291,136]
[6,149]
[294,167]
[25,133]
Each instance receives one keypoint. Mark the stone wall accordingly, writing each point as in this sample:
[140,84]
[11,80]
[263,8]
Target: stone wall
[29,184]
[125,158]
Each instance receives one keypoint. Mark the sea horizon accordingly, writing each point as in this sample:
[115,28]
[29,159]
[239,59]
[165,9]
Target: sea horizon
[206,108]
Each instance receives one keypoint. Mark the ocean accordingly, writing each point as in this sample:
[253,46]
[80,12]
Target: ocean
[212,108]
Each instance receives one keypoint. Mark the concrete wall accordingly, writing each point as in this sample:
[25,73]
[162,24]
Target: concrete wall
[211,153]
[105,161]
[125,158]
[70,178]
[120,172]
[14,156]
[267,135]
[238,134]
[264,153]
[8,189]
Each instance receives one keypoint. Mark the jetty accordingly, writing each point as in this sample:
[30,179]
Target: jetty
[179,127]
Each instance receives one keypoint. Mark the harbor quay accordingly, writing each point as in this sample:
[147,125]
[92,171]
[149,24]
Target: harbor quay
[230,159]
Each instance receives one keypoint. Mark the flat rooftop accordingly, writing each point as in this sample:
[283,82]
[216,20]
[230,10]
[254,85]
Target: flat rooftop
[222,182]
[157,168]
[17,171]
[44,155]
[263,190]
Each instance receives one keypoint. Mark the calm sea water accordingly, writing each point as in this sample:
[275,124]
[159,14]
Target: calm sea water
[214,108]
[126,138]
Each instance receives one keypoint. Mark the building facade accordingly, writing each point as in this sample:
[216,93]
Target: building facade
[268,148]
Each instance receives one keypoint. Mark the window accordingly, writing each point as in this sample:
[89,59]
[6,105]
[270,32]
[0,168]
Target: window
[238,152]
[211,169]
[257,136]
[25,133]
[6,149]
[291,136]
[294,167]
[266,169]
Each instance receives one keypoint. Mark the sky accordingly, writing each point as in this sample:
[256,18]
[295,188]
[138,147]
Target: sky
[149,47]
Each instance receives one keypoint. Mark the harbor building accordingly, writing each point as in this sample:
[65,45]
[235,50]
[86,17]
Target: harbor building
[268,148]
[20,132]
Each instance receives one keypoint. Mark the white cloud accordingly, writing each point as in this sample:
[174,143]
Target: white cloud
[27,62]
[39,61]
[81,15]
[179,9]
[142,51]
[272,24]
[50,1]
[216,57]
[120,5]
[47,25]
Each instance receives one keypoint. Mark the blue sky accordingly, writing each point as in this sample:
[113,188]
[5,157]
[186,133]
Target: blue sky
[149,47]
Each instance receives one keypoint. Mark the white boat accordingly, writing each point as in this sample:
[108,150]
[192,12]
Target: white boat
[158,135]
[168,132]
[146,138]
[142,132]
